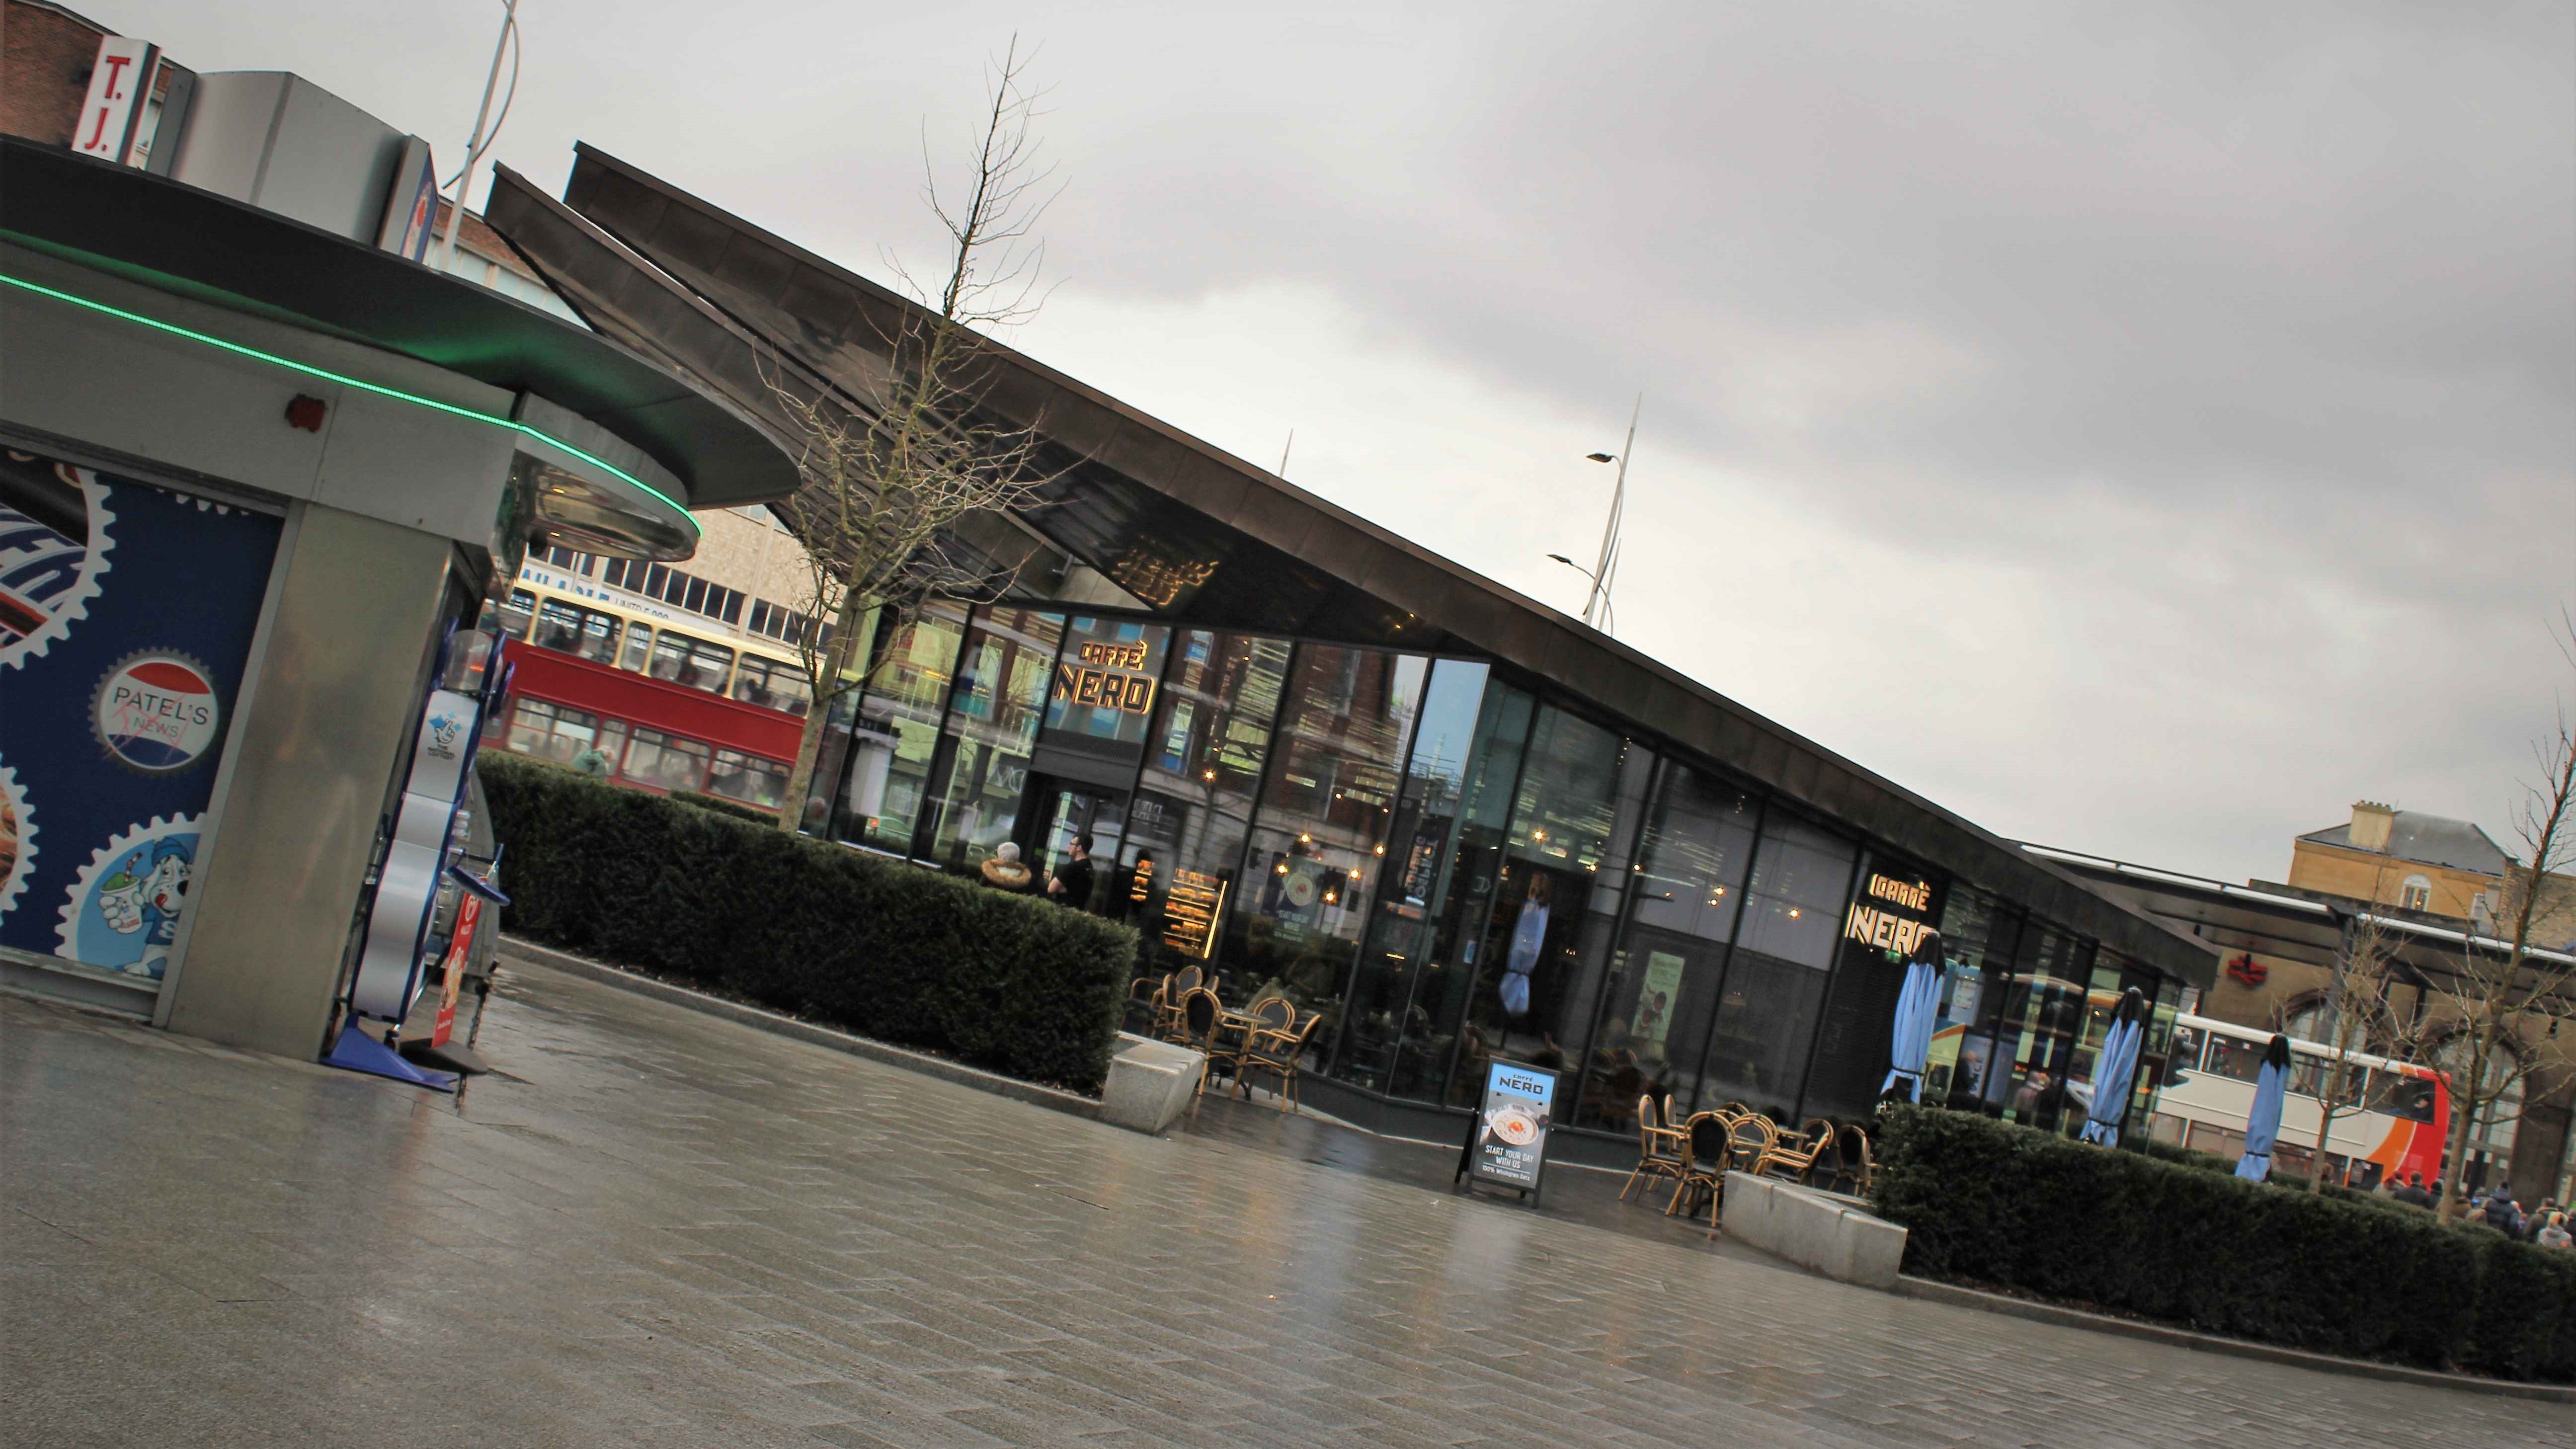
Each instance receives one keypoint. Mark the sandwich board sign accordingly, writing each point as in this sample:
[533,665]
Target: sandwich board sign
[1507,1138]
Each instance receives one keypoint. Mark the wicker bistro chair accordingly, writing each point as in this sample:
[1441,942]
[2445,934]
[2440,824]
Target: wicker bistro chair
[1705,1152]
[1167,1022]
[1201,1016]
[1278,1053]
[1660,1149]
[1854,1169]
[1796,1157]
[1748,1136]
[1233,1038]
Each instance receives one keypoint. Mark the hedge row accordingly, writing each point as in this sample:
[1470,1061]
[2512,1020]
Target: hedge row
[888,950]
[1997,1203]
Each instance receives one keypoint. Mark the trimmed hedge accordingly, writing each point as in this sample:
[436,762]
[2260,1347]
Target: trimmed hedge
[892,951]
[1997,1203]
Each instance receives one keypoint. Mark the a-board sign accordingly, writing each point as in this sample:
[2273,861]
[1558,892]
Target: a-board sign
[1507,1141]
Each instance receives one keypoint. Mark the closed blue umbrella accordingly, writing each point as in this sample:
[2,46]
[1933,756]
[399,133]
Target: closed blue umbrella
[2115,1070]
[1917,1003]
[2263,1125]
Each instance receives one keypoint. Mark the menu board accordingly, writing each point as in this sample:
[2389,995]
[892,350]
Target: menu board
[1507,1141]
[1191,912]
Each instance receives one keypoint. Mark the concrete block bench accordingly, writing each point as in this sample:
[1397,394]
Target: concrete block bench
[1812,1229]
[1150,1083]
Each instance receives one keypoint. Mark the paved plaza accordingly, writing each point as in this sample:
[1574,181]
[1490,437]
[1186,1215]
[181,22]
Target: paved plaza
[656,1228]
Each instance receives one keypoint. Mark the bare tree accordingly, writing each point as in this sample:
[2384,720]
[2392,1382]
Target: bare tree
[886,474]
[2504,1006]
[2359,1015]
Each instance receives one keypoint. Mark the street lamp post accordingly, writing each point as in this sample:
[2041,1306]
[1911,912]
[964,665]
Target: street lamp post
[1609,616]
[1605,571]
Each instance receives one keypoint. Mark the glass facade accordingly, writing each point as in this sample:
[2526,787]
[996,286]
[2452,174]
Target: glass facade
[983,762]
[906,699]
[1192,814]
[1450,869]
[1319,838]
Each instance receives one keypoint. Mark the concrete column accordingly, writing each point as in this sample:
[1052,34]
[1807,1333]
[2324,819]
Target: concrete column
[330,710]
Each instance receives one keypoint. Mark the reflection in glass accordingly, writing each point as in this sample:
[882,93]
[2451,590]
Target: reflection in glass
[1419,852]
[1104,686]
[1775,979]
[992,725]
[1532,993]
[906,695]
[1892,919]
[2043,1021]
[1689,890]
[1445,956]
[1193,809]
[1319,838]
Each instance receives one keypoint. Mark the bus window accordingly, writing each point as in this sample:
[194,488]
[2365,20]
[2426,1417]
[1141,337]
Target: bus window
[639,643]
[2184,1059]
[747,778]
[771,684]
[691,662]
[665,763]
[551,731]
[519,613]
[2236,1058]
[2398,1096]
[2307,1075]
[578,631]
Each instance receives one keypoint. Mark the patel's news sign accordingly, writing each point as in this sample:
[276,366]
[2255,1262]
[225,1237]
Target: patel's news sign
[1507,1142]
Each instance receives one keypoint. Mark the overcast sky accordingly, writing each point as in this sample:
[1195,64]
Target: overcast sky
[2141,429]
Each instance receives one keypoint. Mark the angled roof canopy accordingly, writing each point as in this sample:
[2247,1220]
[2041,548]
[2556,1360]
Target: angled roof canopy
[1195,532]
[194,243]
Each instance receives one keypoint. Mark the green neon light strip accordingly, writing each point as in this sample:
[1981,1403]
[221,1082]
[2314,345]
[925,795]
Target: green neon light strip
[379,389]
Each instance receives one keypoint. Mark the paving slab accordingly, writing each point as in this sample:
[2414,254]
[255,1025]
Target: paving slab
[650,1226]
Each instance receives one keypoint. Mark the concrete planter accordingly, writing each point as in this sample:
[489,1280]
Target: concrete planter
[1150,1083]
[1813,1230]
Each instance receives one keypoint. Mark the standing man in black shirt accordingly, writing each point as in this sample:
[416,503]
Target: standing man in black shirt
[1071,885]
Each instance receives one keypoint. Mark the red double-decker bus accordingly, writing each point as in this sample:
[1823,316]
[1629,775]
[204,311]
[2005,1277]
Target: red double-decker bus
[614,681]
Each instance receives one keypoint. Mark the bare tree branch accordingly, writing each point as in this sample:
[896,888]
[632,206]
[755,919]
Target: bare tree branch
[885,478]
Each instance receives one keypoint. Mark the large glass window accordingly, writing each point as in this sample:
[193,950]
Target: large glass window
[1104,684]
[1966,1069]
[1319,838]
[2045,1008]
[1888,924]
[1534,985]
[1001,694]
[1462,894]
[571,629]
[1206,751]
[1775,978]
[693,663]
[1689,891]
[906,697]
[1413,892]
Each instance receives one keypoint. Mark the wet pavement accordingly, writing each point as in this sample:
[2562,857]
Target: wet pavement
[660,1228]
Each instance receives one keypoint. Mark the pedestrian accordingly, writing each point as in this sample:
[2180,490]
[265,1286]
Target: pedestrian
[1004,871]
[2413,1192]
[1072,883]
[2539,1219]
[2554,1234]
[2503,1214]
